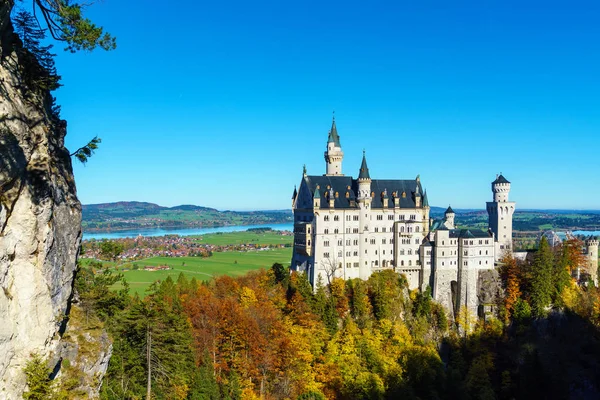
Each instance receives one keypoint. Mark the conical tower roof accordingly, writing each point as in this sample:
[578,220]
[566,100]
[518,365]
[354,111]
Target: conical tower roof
[364,170]
[333,135]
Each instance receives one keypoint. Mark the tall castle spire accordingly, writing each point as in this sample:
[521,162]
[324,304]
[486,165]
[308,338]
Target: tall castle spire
[334,154]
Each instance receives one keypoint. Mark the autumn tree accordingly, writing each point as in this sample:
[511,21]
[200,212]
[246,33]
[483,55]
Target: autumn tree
[509,273]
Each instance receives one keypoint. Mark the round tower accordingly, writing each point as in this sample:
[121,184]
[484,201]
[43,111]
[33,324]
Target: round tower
[501,189]
[449,216]
[364,202]
[592,254]
[333,154]
[500,213]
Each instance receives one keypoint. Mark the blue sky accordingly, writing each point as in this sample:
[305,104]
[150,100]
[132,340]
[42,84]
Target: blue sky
[221,103]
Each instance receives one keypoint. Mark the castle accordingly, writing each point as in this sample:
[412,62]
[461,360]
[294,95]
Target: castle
[349,228]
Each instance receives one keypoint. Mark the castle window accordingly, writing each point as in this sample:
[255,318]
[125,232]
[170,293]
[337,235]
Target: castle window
[486,252]
[442,253]
[355,242]
[402,263]
[326,243]
[479,252]
[383,229]
[417,229]
[347,230]
[326,255]
[401,252]
[391,217]
[481,242]
[372,241]
[336,230]
[442,242]
[339,242]
[417,241]
[326,231]
[382,251]
[376,229]
[375,252]
[376,263]
[401,217]
[442,263]
[355,217]
[355,265]
[347,218]
[356,254]
[409,252]
[348,242]
[466,253]
[382,241]
[465,263]
[392,241]
[409,263]
[355,230]
[379,217]
[336,218]
[487,242]
[479,262]
[339,255]
[326,218]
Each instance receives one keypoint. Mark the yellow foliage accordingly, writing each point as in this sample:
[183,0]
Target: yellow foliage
[247,297]
[180,392]
[466,320]
[570,295]
[248,394]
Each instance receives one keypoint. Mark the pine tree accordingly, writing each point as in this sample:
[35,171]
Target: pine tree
[541,284]
[39,385]
[38,61]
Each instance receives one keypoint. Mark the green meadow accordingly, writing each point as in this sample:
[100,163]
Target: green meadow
[233,263]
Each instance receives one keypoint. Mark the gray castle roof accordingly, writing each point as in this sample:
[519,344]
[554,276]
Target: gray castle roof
[364,170]
[449,210]
[346,184]
[469,233]
[333,135]
[500,179]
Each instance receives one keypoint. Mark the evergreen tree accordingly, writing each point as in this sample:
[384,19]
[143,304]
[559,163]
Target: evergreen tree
[542,286]
[39,385]
[39,70]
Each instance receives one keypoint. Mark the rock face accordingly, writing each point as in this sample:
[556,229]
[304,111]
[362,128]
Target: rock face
[40,221]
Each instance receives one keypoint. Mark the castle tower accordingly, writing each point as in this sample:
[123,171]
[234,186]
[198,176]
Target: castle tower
[364,202]
[334,154]
[500,213]
[591,245]
[450,216]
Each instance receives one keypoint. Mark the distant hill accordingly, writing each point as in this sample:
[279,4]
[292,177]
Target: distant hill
[126,215]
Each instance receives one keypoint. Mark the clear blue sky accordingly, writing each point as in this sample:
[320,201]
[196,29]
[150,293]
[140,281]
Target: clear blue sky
[221,103]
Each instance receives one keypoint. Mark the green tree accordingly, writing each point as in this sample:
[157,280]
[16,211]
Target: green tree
[39,385]
[67,23]
[39,70]
[110,249]
[542,286]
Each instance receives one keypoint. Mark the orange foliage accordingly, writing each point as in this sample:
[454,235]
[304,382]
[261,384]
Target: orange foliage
[512,282]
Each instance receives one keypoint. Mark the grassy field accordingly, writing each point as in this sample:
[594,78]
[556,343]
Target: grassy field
[233,263]
[246,237]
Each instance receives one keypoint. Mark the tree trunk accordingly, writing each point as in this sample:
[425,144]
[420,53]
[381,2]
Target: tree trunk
[148,353]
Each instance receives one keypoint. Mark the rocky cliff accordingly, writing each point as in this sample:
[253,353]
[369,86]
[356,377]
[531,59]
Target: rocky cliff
[40,220]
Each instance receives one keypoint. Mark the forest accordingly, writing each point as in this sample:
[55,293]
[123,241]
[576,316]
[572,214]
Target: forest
[266,335]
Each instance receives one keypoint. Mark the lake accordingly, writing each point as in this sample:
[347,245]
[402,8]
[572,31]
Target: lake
[182,231]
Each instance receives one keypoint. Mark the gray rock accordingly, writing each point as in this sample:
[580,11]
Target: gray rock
[40,222]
